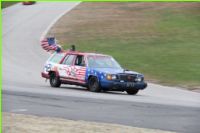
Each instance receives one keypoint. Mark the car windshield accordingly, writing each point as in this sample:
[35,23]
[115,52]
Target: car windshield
[56,58]
[100,61]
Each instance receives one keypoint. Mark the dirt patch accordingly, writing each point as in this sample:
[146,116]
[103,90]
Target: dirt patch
[18,123]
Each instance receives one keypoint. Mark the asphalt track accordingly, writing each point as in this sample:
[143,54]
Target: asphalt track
[24,91]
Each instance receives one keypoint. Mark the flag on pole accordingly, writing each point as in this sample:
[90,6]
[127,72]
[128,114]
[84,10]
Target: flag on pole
[49,44]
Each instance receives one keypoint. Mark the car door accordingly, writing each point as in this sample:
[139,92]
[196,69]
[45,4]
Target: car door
[65,68]
[79,68]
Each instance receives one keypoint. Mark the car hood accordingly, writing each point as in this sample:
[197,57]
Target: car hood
[114,71]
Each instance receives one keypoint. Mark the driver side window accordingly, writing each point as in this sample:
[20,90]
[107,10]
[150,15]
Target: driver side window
[80,60]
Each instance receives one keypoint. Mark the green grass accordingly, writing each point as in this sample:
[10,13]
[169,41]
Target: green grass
[5,4]
[160,40]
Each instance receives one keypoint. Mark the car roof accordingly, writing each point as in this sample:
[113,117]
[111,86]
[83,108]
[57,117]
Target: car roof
[84,53]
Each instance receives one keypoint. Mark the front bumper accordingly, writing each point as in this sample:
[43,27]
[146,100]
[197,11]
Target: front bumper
[122,86]
[45,75]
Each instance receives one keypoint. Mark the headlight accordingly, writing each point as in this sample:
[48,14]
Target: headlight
[111,77]
[138,79]
[114,77]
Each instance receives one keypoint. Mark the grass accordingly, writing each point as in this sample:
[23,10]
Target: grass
[160,40]
[5,4]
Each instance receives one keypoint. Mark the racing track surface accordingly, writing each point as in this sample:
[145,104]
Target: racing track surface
[24,91]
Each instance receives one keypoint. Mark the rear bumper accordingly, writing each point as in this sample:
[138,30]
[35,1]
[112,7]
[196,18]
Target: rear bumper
[123,86]
[45,75]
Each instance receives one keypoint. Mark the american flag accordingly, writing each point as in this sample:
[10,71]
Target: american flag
[75,72]
[80,72]
[49,47]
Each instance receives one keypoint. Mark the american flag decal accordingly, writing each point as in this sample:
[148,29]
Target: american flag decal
[76,73]
[80,72]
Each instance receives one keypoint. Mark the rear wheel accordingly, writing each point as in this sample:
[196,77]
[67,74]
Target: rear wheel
[54,80]
[132,91]
[93,84]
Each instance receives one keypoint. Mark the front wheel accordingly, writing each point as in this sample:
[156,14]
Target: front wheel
[132,92]
[54,80]
[93,84]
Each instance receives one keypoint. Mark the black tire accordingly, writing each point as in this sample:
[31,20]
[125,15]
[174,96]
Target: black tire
[93,84]
[54,80]
[132,91]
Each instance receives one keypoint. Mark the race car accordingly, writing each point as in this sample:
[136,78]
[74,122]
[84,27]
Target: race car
[28,2]
[97,72]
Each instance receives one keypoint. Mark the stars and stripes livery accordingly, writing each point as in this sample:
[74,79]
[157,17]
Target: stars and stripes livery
[80,73]
[95,71]
[75,72]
